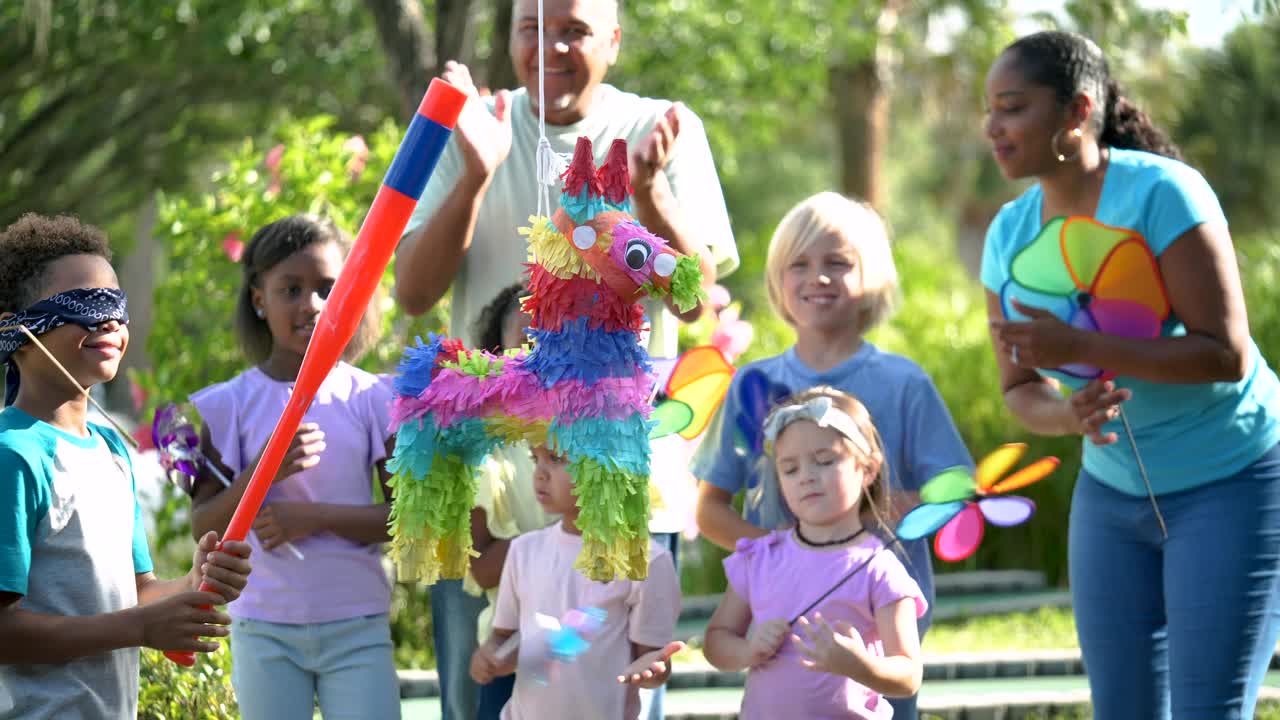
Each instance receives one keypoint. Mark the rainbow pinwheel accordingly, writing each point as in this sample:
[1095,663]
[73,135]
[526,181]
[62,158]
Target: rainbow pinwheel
[1092,276]
[694,391]
[956,502]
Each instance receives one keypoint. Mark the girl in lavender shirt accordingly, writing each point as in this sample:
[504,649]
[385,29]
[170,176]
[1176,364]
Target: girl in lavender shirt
[831,610]
[313,630]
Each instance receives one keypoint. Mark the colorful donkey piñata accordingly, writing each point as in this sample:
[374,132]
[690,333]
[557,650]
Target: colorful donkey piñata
[583,388]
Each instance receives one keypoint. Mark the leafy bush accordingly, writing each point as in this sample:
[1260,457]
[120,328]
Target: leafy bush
[169,691]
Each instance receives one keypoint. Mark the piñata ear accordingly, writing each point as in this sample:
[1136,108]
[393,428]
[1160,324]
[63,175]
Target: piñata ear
[580,177]
[614,176]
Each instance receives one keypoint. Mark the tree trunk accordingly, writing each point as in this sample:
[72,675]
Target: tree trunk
[455,32]
[499,74]
[860,90]
[410,51]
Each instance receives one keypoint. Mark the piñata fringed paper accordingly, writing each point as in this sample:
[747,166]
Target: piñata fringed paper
[582,386]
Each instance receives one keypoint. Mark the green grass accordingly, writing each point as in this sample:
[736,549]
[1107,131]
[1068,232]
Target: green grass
[1043,629]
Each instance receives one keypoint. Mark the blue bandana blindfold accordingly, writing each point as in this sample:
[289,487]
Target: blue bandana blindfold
[86,307]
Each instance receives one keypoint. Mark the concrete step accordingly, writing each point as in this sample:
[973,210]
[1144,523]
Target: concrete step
[971,699]
[988,581]
[995,667]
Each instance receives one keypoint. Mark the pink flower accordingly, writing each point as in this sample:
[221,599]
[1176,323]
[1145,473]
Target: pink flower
[232,246]
[142,434]
[137,395]
[732,336]
[360,155]
[273,158]
[719,296]
[274,155]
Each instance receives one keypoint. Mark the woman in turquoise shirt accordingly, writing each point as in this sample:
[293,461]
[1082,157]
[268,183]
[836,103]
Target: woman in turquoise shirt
[1174,559]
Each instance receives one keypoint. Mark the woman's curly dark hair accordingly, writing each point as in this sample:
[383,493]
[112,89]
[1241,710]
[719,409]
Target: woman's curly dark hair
[1071,64]
[488,326]
[29,246]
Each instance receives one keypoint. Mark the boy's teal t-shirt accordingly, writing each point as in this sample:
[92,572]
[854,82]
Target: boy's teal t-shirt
[1187,435]
[72,542]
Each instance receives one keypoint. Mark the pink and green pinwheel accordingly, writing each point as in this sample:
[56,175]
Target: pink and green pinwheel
[956,502]
[1091,276]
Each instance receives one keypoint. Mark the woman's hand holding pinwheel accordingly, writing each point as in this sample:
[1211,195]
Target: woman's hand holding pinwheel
[1044,341]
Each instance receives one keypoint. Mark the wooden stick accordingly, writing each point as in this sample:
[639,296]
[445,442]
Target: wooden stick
[84,391]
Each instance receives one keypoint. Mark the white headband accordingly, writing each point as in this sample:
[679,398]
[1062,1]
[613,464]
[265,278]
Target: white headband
[823,412]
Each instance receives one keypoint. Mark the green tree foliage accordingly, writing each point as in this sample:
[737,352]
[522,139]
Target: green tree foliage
[103,102]
[1229,120]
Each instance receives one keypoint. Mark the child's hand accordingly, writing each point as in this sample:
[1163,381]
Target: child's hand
[838,651]
[304,452]
[178,622]
[486,665]
[281,522]
[226,569]
[651,669]
[765,639]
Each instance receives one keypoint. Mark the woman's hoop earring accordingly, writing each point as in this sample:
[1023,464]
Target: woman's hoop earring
[1053,145]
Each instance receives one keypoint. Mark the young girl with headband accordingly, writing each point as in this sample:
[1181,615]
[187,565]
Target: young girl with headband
[832,614]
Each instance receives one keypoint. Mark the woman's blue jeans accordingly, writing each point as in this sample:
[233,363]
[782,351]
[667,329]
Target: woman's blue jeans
[1183,627]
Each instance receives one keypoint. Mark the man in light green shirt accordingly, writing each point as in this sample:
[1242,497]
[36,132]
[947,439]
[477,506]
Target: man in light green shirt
[464,232]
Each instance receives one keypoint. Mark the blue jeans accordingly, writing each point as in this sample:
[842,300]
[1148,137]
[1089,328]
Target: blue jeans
[1183,627]
[280,671]
[494,696]
[905,708]
[453,630]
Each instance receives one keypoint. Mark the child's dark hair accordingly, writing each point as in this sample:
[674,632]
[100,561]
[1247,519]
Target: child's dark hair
[31,244]
[1071,64]
[268,247]
[488,326]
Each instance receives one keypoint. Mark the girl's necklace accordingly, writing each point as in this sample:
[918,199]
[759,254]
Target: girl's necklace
[828,543]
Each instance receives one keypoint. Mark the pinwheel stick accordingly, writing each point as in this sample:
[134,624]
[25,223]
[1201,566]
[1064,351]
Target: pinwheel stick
[835,587]
[226,482]
[1142,470]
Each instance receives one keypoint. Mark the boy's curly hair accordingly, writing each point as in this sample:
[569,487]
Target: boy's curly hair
[30,245]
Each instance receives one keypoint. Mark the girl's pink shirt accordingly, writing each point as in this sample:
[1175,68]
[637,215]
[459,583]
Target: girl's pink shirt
[778,578]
